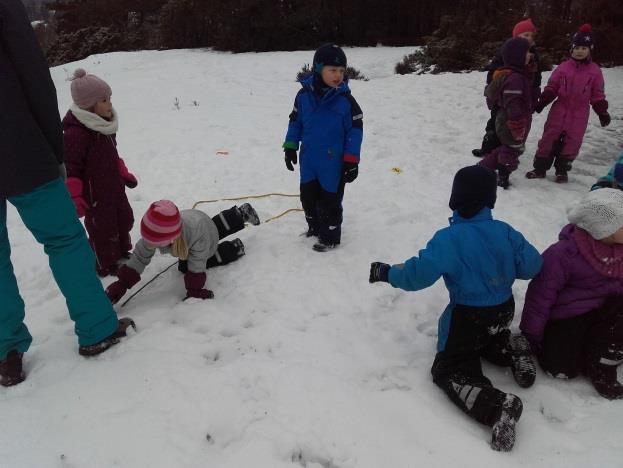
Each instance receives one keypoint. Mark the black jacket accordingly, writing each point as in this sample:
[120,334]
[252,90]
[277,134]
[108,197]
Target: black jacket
[31,136]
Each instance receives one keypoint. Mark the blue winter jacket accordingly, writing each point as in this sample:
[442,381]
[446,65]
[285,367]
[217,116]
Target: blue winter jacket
[479,259]
[329,129]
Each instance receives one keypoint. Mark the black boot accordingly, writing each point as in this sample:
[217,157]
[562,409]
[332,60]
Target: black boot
[604,379]
[503,178]
[503,433]
[522,363]
[249,214]
[563,166]
[100,347]
[11,372]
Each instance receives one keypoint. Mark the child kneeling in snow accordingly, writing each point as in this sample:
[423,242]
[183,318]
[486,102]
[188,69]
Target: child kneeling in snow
[189,235]
[573,313]
[479,259]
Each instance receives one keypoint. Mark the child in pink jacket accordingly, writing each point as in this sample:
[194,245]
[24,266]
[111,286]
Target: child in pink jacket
[576,83]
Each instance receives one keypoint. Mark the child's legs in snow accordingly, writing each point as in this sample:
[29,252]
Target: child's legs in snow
[102,223]
[227,252]
[125,219]
[310,196]
[330,214]
[228,222]
[604,339]
[467,387]
[562,349]
[474,331]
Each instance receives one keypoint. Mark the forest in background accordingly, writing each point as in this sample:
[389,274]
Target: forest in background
[457,34]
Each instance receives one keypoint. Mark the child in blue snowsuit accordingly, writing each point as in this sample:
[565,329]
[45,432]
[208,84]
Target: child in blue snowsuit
[328,123]
[479,259]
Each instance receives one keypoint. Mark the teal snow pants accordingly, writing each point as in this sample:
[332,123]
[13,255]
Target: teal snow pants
[50,215]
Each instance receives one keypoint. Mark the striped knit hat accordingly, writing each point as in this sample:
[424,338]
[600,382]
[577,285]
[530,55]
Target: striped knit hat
[161,224]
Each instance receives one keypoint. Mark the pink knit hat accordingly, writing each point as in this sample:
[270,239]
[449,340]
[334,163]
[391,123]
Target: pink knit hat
[88,90]
[161,224]
[524,26]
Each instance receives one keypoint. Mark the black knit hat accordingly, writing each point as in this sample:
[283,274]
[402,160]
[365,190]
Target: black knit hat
[329,55]
[474,187]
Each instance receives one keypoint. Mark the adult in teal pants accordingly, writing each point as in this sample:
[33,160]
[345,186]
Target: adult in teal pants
[31,163]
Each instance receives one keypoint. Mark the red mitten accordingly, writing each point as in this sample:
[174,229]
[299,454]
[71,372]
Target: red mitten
[194,283]
[128,277]
[75,186]
[517,128]
[128,178]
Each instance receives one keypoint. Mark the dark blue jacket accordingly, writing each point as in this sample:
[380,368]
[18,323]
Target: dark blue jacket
[31,137]
[329,128]
[479,259]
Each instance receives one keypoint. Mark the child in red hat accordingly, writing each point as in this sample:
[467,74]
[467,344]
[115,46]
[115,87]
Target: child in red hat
[526,30]
[190,235]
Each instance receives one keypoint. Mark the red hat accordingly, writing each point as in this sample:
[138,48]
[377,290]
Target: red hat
[524,26]
[162,223]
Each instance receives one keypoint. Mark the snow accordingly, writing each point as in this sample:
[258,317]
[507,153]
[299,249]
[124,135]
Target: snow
[298,361]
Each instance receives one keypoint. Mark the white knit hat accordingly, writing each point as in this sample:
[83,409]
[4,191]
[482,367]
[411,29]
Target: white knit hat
[599,212]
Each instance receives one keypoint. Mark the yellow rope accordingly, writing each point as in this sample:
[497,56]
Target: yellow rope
[291,210]
[251,197]
[248,197]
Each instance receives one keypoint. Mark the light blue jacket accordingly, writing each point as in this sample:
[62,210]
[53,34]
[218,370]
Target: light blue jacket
[479,259]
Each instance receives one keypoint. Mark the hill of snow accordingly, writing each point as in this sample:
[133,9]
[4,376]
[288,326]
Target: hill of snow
[298,361]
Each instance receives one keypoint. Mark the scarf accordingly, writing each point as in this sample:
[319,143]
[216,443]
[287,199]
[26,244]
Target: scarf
[606,259]
[96,123]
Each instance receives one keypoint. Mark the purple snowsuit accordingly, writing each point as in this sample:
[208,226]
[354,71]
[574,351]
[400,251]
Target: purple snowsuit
[92,157]
[576,85]
[566,287]
[511,92]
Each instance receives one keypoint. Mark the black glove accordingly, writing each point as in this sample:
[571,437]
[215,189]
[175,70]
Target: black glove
[290,158]
[604,119]
[350,171]
[379,272]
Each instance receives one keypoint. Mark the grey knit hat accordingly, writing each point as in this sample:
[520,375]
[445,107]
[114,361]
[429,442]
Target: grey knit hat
[599,212]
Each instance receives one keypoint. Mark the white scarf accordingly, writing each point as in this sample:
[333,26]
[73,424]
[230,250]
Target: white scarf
[95,122]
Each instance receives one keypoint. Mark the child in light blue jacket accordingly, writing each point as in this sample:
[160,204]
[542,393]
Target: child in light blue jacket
[479,259]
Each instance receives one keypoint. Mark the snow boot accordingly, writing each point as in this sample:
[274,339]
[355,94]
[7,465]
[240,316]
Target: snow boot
[503,179]
[604,379]
[11,372]
[562,178]
[535,174]
[100,347]
[249,215]
[503,433]
[324,246]
[237,243]
[522,363]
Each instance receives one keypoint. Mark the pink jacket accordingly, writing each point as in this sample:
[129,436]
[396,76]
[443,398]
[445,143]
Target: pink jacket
[575,85]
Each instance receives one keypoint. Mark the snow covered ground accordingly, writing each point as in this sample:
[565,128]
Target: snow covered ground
[298,361]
